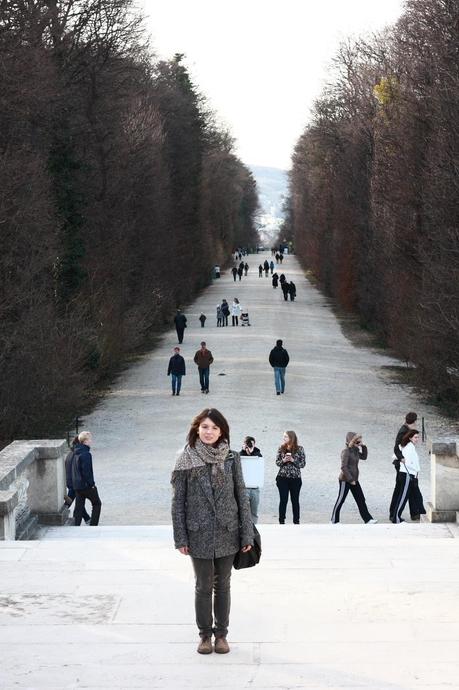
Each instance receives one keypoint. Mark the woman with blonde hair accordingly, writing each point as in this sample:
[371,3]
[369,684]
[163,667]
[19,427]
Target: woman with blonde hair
[290,460]
[212,521]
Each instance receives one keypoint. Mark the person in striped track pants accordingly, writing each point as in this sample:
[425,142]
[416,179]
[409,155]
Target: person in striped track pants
[407,487]
[349,478]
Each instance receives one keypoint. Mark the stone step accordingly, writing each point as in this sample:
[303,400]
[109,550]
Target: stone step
[371,607]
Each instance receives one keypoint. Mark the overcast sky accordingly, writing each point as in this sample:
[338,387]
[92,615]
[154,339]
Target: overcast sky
[261,63]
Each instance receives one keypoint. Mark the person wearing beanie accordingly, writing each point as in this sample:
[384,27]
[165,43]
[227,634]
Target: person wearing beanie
[349,478]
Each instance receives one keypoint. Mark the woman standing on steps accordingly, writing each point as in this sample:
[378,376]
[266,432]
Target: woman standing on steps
[290,460]
[349,477]
[212,521]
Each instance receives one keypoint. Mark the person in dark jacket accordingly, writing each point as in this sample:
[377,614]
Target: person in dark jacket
[203,358]
[180,324]
[70,497]
[234,272]
[246,268]
[211,521]
[292,290]
[260,271]
[349,477]
[202,319]
[271,266]
[285,289]
[279,359]
[275,280]
[225,312]
[176,369]
[82,480]
[397,458]
[282,278]
[240,271]
[266,267]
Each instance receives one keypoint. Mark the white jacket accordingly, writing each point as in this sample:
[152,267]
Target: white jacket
[411,464]
[235,309]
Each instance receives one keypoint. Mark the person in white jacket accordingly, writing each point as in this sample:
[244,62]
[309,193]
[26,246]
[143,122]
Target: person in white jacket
[407,478]
[235,311]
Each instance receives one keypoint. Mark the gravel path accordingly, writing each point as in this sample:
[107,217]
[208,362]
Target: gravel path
[332,386]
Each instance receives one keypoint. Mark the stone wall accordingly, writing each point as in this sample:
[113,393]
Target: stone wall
[444,475]
[32,487]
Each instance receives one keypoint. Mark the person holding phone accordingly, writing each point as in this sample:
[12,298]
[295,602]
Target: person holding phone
[249,449]
[290,460]
[348,479]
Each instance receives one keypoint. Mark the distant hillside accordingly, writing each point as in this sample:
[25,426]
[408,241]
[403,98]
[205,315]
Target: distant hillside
[272,189]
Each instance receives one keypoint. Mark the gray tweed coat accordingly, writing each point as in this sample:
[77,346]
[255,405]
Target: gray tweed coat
[211,526]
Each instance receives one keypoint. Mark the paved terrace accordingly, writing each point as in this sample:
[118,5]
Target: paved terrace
[333,386]
[358,607]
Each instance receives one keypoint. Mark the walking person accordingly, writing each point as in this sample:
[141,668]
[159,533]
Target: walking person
[260,271]
[397,458]
[203,358]
[292,290]
[285,289]
[407,477]
[348,479]
[271,266]
[250,450]
[240,271]
[275,280]
[281,257]
[235,312]
[176,370]
[82,480]
[234,272]
[180,324]
[279,359]
[225,312]
[246,268]
[70,496]
[266,267]
[211,521]
[290,460]
[202,319]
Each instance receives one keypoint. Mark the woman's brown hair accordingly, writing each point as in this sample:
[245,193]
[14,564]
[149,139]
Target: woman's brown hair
[293,442]
[216,417]
[408,436]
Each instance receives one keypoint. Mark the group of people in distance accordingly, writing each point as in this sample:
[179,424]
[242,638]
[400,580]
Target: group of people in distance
[213,511]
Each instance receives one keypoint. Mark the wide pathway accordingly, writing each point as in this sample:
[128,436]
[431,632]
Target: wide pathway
[328,607]
[333,386]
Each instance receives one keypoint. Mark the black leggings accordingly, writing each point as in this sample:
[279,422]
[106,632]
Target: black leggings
[288,486]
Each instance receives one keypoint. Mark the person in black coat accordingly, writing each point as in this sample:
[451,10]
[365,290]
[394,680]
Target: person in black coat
[177,369]
[180,324]
[285,289]
[266,268]
[279,359]
[70,497]
[410,423]
[275,280]
[292,290]
[234,272]
[240,271]
[260,271]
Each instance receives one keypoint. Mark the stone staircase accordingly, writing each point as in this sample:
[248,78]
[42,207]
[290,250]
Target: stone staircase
[329,606]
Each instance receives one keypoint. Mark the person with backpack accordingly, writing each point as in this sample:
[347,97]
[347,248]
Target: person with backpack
[70,496]
[82,480]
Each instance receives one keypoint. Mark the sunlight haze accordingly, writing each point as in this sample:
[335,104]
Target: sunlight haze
[262,63]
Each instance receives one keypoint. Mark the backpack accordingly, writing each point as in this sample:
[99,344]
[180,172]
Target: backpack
[77,477]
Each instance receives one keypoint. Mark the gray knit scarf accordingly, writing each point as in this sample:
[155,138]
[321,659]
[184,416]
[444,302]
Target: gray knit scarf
[204,454]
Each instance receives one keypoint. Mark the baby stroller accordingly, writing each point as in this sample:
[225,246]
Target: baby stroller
[245,318]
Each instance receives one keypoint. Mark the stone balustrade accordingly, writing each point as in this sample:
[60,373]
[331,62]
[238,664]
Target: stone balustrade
[32,487]
[444,477]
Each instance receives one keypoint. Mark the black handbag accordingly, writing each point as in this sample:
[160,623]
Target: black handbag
[249,558]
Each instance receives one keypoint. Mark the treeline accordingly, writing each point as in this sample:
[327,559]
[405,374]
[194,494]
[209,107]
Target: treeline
[118,192]
[374,203]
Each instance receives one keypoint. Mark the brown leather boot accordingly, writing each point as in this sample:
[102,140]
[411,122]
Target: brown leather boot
[205,646]
[221,645]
